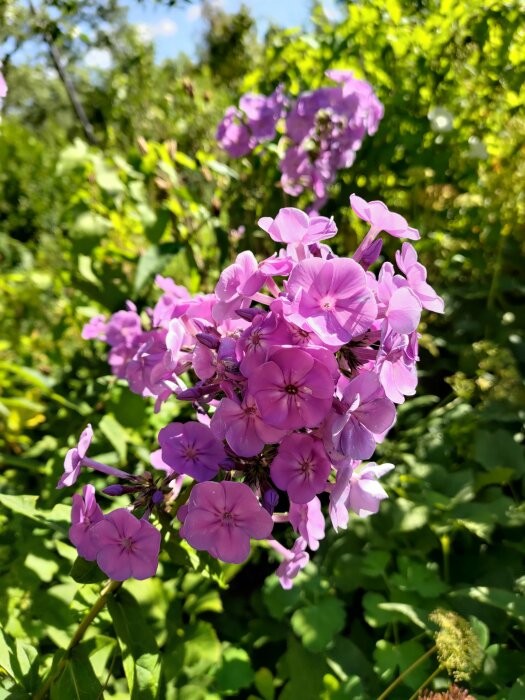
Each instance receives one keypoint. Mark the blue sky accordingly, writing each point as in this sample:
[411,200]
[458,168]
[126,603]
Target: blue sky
[179,28]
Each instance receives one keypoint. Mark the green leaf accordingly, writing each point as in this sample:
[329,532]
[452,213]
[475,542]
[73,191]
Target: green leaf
[184,160]
[90,225]
[511,603]
[499,449]
[153,262]
[264,683]
[116,434]
[78,680]
[391,659]
[235,671]
[84,571]
[202,649]
[318,624]
[25,505]
[140,654]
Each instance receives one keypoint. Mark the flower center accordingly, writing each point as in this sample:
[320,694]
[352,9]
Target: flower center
[227,518]
[256,339]
[328,303]
[127,543]
[291,389]
[250,410]
[305,466]
[190,452]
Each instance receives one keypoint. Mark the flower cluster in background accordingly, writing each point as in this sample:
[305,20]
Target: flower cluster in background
[293,366]
[324,129]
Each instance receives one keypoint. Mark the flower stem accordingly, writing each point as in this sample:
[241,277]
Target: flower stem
[406,672]
[425,683]
[81,630]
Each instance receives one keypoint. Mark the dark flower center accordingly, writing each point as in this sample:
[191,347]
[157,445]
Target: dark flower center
[291,389]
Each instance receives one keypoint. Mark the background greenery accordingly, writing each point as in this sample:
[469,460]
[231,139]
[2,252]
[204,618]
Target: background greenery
[85,227]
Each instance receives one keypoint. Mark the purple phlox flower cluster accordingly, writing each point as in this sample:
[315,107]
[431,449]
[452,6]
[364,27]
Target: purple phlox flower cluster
[294,366]
[123,545]
[253,122]
[324,129]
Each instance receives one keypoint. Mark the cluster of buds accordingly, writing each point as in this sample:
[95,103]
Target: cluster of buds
[294,366]
[324,129]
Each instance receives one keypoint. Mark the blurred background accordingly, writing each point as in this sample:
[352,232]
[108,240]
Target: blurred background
[109,174]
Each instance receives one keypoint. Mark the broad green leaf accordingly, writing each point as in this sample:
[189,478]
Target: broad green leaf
[318,624]
[235,671]
[152,262]
[116,434]
[264,683]
[140,654]
[511,603]
[78,680]
[84,571]
[391,659]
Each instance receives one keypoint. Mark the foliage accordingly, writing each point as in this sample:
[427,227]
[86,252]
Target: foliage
[82,229]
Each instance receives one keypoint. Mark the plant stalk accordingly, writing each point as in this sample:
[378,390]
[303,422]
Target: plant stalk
[406,672]
[81,630]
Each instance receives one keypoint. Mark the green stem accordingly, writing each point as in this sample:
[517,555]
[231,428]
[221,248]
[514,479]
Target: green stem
[425,683]
[81,630]
[406,672]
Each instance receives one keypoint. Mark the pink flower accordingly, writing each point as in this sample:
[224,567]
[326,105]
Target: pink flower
[294,226]
[294,562]
[330,298]
[308,520]
[380,218]
[3,87]
[222,517]
[126,547]
[353,428]
[230,289]
[292,390]
[85,512]
[396,366]
[416,275]
[74,457]
[265,331]
[365,493]
[240,424]
[95,328]
[191,448]
[357,489]
[301,467]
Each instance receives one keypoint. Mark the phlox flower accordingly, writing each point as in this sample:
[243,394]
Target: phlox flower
[380,218]
[293,563]
[294,226]
[365,493]
[233,135]
[191,448]
[74,457]
[330,298]
[358,489]
[396,366]
[240,424]
[292,390]
[220,518]
[126,547]
[85,512]
[231,290]
[265,331]
[95,328]
[416,275]
[308,520]
[353,427]
[301,467]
